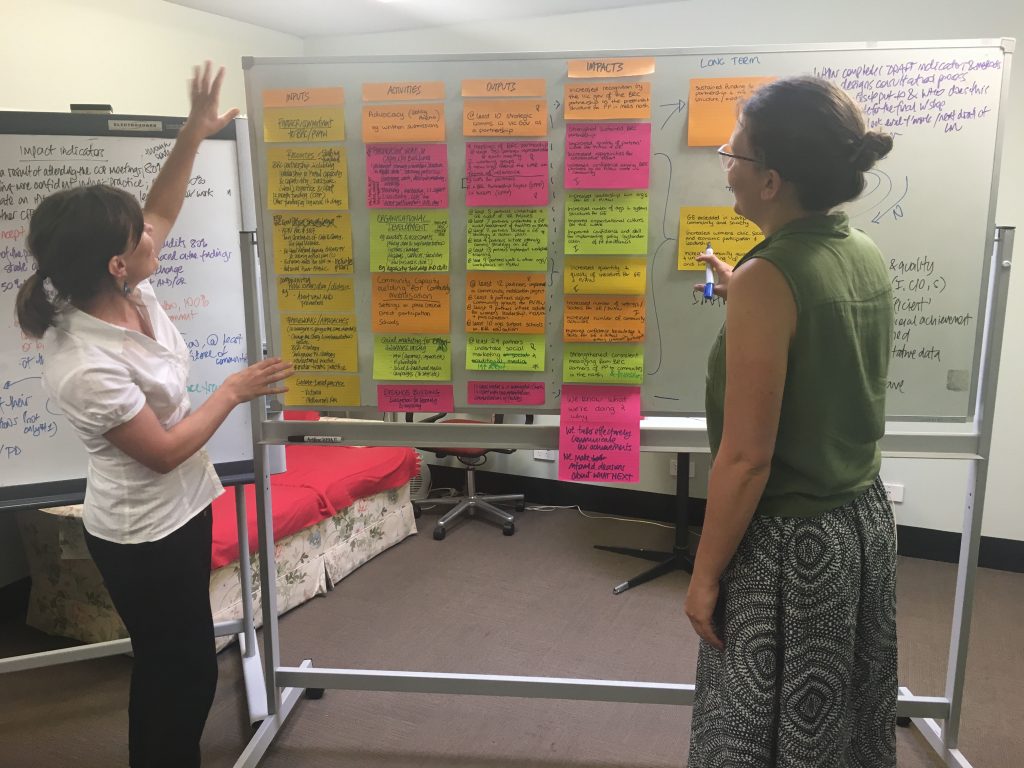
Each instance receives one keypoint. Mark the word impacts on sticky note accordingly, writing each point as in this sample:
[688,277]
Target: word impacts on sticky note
[407,176]
[411,303]
[603,363]
[409,357]
[404,91]
[607,155]
[603,318]
[506,173]
[627,67]
[505,352]
[713,107]
[507,239]
[304,97]
[505,86]
[409,241]
[731,235]
[606,223]
[308,293]
[303,124]
[312,242]
[504,117]
[415,398]
[624,275]
[505,392]
[599,434]
[340,391]
[505,302]
[307,178]
[403,122]
[320,342]
[608,101]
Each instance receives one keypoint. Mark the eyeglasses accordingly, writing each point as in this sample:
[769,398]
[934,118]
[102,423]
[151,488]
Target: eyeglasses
[729,158]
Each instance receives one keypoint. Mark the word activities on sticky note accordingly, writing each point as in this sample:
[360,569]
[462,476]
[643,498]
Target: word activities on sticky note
[411,303]
[407,176]
[507,239]
[504,117]
[307,178]
[505,302]
[505,392]
[608,101]
[309,390]
[603,363]
[403,123]
[409,241]
[731,236]
[599,434]
[404,91]
[607,155]
[320,342]
[505,352]
[315,293]
[415,398]
[603,318]
[606,223]
[312,242]
[411,357]
[624,67]
[624,275]
[506,173]
[714,107]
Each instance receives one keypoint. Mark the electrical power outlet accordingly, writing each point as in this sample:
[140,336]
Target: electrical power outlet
[895,492]
[545,455]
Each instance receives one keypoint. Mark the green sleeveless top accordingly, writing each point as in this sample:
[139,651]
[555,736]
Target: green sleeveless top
[833,404]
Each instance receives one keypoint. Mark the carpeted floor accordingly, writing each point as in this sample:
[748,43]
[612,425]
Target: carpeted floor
[537,603]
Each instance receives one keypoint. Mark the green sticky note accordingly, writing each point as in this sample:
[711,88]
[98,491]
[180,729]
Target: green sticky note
[411,357]
[408,241]
[606,223]
[504,352]
[603,363]
[507,239]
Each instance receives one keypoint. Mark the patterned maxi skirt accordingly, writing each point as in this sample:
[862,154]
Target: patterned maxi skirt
[808,675]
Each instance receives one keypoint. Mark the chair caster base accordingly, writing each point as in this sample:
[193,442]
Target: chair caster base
[439,533]
[508,529]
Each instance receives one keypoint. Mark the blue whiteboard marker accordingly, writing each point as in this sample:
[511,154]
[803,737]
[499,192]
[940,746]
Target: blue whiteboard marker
[709,275]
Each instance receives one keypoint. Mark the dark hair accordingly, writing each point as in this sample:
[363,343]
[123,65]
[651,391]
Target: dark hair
[72,235]
[813,134]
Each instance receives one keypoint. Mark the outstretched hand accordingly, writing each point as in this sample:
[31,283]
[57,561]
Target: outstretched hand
[204,93]
[259,379]
[722,274]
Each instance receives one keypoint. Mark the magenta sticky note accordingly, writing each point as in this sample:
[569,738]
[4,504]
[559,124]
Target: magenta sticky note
[599,433]
[505,393]
[416,398]
[504,173]
[406,176]
[608,155]
[600,402]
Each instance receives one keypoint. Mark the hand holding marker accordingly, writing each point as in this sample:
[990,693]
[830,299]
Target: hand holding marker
[709,275]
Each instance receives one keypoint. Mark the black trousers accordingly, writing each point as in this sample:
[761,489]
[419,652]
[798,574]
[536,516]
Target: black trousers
[161,589]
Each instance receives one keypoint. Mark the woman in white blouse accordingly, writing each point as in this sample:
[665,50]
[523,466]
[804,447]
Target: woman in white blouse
[117,368]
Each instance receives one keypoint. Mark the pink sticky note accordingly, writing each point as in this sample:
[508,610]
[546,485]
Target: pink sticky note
[608,155]
[416,398]
[406,175]
[506,173]
[505,393]
[599,434]
[586,402]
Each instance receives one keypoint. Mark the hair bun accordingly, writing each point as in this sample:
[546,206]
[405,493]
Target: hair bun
[873,147]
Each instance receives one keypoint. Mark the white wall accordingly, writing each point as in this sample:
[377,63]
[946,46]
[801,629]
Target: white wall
[136,56]
[934,490]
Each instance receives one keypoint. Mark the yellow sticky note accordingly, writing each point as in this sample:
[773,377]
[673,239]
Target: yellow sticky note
[304,124]
[603,318]
[608,101]
[403,122]
[507,239]
[603,363]
[623,67]
[606,222]
[729,234]
[320,342]
[405,357]
[504,117]
[504,352]
[713,107]
[623,275]
[311,178]
[505,302]
[312,243]
[411,303]
[314,391]
[409,241]
[320,294]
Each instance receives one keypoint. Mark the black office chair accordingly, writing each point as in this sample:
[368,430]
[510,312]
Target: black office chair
[471,502]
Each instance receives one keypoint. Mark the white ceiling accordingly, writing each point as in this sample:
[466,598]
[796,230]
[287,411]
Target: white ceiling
[312,18]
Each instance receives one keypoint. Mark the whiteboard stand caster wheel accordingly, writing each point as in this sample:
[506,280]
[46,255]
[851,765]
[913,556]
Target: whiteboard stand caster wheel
[314,693]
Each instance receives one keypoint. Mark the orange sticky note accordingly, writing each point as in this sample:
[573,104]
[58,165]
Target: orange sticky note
[407,91]
[628,67]
[529,86]
[608,101]
[411,303]
[403,122]
[304,97]
[504,117]
[713,107]
[603,318]
[505,302]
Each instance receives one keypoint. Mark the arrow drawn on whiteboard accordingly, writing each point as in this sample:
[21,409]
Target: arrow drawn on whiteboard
[677,106]
[895,207]
[875,198]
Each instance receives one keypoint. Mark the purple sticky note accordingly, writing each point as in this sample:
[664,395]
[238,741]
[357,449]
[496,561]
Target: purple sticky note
[608,155]
[505,393]
[416,398]
[505,173]
[406,176]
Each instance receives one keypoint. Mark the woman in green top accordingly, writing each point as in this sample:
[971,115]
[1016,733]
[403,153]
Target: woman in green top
[793,588]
